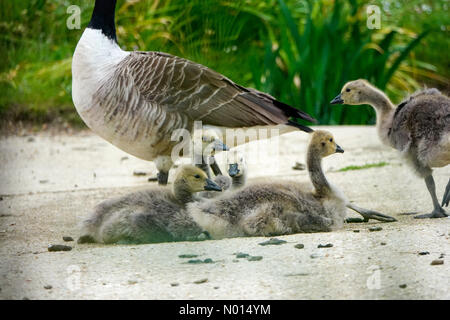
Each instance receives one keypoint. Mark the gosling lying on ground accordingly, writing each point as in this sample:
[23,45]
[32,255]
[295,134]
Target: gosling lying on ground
[153,215]
[263,209]
[419,128]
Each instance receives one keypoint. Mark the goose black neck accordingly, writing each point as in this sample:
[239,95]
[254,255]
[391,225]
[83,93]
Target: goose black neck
[103,18]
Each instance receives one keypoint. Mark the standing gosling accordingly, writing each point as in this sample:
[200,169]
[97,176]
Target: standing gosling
[262,209]
[419,127]
[154,215]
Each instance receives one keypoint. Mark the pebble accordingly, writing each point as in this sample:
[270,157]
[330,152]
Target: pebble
[132,282]
[375,229]
[58,247]
[67,238]
[197,261]
[152,179]
[328,245]
[422,253]
[1,198]
[356,231]
[403,286]
[48,287]
[314,256]
[299,246]
[272,241]
[383,243]
[299,166]
[437,262]
[254,258]
[187,256]
[201,281]
[139,173]
[242,255]
[174,284]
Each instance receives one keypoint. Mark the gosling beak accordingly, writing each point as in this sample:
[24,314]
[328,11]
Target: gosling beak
[337,100]
[233,170]
[339,149]
[212,186]
[220,146]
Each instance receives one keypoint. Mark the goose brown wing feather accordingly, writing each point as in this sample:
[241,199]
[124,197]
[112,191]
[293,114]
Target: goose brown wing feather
[180,85]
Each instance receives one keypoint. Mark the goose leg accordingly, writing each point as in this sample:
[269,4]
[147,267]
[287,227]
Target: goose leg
[446,197]
[214,166]
[163,165]
[438,211]
[370,214]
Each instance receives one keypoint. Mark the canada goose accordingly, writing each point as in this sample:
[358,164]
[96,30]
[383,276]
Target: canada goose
[136,100]
[268,208]
[153,215]
[419,128]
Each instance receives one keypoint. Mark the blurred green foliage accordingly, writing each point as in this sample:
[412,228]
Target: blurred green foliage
[300,51]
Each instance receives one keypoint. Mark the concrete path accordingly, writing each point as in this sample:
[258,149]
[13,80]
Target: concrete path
[48,184]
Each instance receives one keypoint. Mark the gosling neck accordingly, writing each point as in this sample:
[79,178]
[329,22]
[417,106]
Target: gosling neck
[238,181]
[385,112]
[181,193]
[103,18]
[318,179]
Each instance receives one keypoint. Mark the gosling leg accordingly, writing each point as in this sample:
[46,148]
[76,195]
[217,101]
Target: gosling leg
[370,214]
[438,211]
[446,197]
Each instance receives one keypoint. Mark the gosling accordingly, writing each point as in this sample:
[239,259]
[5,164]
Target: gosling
[149,216]
[419,128]
[267,208]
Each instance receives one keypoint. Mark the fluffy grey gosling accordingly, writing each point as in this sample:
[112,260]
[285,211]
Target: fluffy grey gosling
[136,100]
[262,209]
[419,128]
[154,215]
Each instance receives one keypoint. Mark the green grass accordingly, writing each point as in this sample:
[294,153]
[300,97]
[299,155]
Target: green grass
[366,166]
[300,51]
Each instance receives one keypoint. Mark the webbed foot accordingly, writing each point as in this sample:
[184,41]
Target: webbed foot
[436,213]
[370,214]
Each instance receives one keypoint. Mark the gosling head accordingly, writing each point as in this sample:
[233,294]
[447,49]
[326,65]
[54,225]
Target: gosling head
[193,179]
[236,164]
[354,93]
[323,144]
[211,142]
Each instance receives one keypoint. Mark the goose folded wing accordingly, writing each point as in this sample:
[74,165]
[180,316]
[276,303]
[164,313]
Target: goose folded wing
[179,85]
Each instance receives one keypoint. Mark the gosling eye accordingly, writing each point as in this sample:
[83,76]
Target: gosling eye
[197,176]
[348,89]
[331,139]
